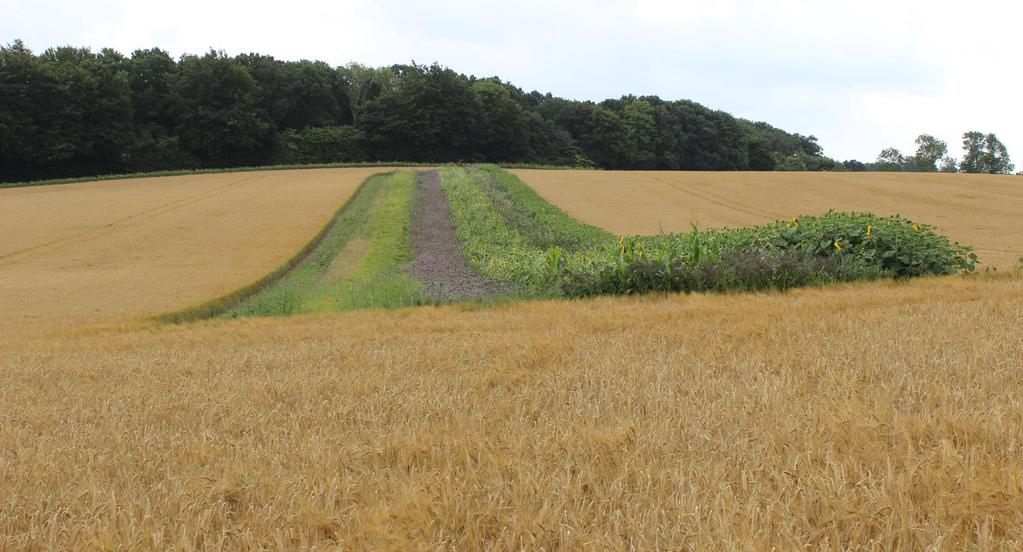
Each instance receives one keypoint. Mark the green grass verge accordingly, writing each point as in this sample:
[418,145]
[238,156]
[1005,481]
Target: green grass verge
[230,301]
[329,280]
[542,225]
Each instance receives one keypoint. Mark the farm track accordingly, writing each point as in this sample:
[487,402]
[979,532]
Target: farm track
[439,263]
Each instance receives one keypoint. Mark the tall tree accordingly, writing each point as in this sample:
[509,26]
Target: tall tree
[606,140]
[890,159]
[361,84]
[929,150]
[29,108]
[432,114]
[639,118]
[502,132]
[949,165]
[95,115]
[220,121]
[984,154]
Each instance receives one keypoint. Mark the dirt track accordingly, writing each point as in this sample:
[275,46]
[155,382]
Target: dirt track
[439,263]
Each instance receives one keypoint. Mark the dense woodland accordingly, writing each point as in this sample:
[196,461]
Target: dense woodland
[72,112]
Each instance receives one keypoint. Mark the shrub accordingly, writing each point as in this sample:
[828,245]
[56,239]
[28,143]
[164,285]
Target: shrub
[332,144]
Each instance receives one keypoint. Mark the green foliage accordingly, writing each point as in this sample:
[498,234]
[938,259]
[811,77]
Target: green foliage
[540,223]
[853,165]
[804,251]
[984,154]
[71,112]
[491,246]
[569,258]
[502,133]
[334,144]
[220,121]
[949,165]
[149,153]
[360,84]
[759,155]
[890,159]
[432,116]
[929,150]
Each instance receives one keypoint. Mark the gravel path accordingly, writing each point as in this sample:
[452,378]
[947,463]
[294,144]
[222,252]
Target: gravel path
[439,263]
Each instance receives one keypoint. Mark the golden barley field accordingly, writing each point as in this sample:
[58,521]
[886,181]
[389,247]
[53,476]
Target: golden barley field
[880,416]
[984,211]
[875,416]
[111,251]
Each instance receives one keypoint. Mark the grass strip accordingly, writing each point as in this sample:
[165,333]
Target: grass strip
[238,297]
[379,278]
[379,214]
[542,224]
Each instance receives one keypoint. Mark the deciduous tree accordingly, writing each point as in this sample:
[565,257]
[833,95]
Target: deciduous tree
[984,153]
[929,150]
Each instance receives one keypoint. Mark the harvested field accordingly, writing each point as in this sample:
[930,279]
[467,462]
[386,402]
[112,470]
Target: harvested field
[117,250]
[880,416]
[984,211]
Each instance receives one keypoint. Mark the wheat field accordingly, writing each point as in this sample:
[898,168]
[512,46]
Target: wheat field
[116,250]
[984,211]
[871,416]
[880,416]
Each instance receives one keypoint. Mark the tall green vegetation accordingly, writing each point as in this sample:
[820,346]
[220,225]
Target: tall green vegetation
[572,259]
[71,112]
[982,153]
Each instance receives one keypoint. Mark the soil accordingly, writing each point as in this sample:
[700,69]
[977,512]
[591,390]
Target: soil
[439,263]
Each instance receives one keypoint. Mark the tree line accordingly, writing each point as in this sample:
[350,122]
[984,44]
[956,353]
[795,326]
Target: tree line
[982,153]
[73,112]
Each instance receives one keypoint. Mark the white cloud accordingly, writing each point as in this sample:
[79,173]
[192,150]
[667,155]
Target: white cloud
[860,76]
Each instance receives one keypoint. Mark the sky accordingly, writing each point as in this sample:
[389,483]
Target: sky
[860,76]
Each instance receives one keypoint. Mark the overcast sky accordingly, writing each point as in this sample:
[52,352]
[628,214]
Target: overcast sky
[859,75]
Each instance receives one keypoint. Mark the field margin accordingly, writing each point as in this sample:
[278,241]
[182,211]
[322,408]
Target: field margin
[233,299]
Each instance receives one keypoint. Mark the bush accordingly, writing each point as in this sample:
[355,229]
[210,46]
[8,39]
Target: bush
[149,154]
[332,144]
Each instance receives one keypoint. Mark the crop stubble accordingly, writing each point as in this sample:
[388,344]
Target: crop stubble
[983,211]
